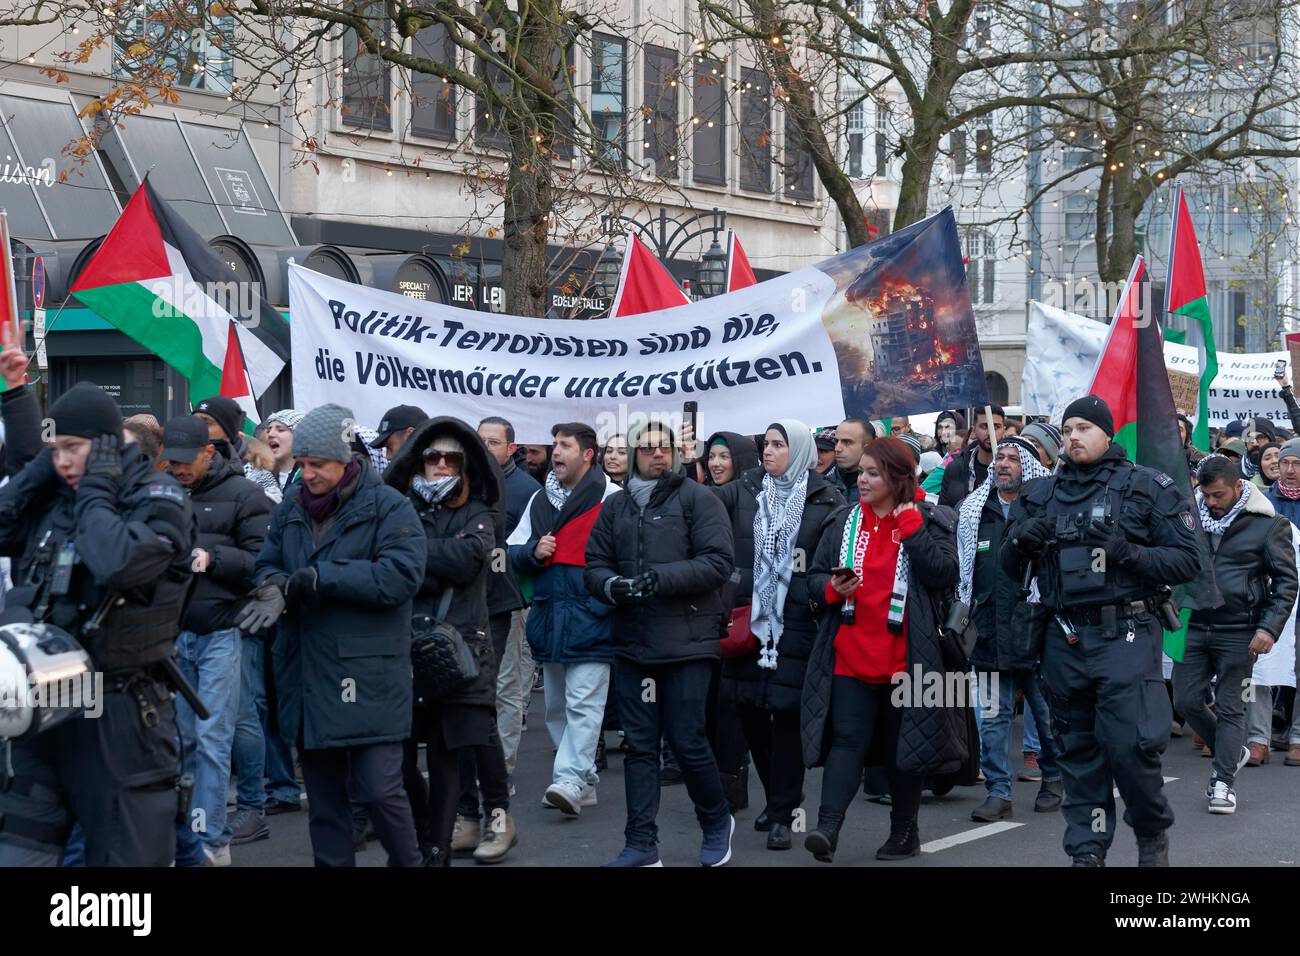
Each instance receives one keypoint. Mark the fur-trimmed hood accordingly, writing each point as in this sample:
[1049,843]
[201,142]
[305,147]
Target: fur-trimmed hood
[481,469]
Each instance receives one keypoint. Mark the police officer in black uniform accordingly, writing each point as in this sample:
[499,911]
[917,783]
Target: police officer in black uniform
[1105,538]
[102,546]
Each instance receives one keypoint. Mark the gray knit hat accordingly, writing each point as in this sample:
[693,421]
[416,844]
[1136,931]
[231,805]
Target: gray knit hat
[288,417]
[1047,435]
[325,432]
[1290,449]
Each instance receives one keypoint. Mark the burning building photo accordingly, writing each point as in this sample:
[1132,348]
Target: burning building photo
[902,325]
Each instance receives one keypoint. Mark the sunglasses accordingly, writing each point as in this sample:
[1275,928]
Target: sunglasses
[453,458]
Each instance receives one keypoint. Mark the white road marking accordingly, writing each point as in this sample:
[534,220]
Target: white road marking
[966,836]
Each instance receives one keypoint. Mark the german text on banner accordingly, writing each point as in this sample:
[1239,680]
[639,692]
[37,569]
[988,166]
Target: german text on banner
[883,329]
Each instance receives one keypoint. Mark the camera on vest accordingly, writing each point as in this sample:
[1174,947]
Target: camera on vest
[1083,575]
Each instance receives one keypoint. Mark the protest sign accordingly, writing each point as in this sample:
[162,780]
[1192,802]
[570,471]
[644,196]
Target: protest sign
[1061,349]
[886,328]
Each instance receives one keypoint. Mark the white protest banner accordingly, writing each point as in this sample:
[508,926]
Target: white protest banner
[883,329]
[1061,349]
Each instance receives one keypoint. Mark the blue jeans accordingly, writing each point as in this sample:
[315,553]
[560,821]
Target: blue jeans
[995,728]
[1030,743]
[575,710]
[676,709]
[210,662]
[259,752]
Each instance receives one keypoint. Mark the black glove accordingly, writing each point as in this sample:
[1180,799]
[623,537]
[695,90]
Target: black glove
[646,585]
[265,608]
[620,590]
[301,588]
[105,457]
[1032,535]
[1118,548]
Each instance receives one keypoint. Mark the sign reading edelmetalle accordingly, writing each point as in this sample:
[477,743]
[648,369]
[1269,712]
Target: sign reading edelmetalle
[883,329]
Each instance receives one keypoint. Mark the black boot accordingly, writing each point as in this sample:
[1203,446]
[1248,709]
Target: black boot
[602,762]
[1049,796]
[904,841]
[1154,851]
[821,842]
[1089,859]
[779,838]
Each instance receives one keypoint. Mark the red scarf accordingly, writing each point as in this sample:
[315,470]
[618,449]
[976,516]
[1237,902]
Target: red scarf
[1290,494]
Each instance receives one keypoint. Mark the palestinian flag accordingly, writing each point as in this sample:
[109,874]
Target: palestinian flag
[1132,379]
[739,273]
[1185,295]
[234,379]
[155,279]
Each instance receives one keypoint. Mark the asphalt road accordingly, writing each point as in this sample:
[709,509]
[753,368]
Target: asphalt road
[1265,831]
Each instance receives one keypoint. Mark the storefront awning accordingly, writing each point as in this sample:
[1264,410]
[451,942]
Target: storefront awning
[209,174]
[48,191]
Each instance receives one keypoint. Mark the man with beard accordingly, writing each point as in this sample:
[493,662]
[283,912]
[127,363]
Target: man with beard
[569,634]
[969,470]
[1255,569]
[1003,663]
[1106,537]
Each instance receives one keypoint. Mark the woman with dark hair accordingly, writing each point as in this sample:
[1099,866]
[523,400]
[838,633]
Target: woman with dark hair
[881,572]
[729,456]
[778,513]
[613,458]
[446,471]
[1269,466]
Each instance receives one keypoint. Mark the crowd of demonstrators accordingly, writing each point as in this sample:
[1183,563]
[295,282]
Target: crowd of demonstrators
[778,514]
[881,571]
[814,560]
[659,553]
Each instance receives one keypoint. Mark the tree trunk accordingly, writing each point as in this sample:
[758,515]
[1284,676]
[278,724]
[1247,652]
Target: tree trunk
[918,167]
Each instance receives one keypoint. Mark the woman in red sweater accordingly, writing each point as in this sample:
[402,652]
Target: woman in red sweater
[895,556]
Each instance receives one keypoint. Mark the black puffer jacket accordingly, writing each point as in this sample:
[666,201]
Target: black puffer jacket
[1255,568]
[995,597]
[233,516]
[460,541]
[684,535]
[742,679]
[931,740]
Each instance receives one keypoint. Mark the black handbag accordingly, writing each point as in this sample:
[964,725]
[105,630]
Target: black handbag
[957,636]
[442,662]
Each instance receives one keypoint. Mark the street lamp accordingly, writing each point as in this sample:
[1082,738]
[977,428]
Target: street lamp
[711,274]
[667,237]
[608,268]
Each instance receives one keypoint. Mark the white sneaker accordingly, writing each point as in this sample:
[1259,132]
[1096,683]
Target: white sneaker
[565,797]
[1245,756]
[218,857]
[588,798]
[1223,799]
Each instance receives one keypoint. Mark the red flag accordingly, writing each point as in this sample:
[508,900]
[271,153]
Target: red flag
[11,324]
[645,285]
[234,379]
[739,274]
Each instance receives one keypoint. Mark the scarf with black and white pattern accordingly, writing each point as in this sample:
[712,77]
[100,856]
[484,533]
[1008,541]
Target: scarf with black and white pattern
[1214,525]
[968,520]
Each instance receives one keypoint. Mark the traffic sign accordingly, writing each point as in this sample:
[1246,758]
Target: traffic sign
[38,282]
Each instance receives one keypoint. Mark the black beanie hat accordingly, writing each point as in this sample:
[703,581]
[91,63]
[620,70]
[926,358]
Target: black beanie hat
[1091,409]
[86,411]
[227,413]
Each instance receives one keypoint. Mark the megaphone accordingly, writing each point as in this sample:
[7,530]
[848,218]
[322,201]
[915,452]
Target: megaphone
[43,676]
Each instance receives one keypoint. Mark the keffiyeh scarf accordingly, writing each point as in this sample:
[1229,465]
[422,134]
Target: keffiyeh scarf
[968,520]
[853,551]
[1214,525]
[556,492]
[434,490]
[776,527]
